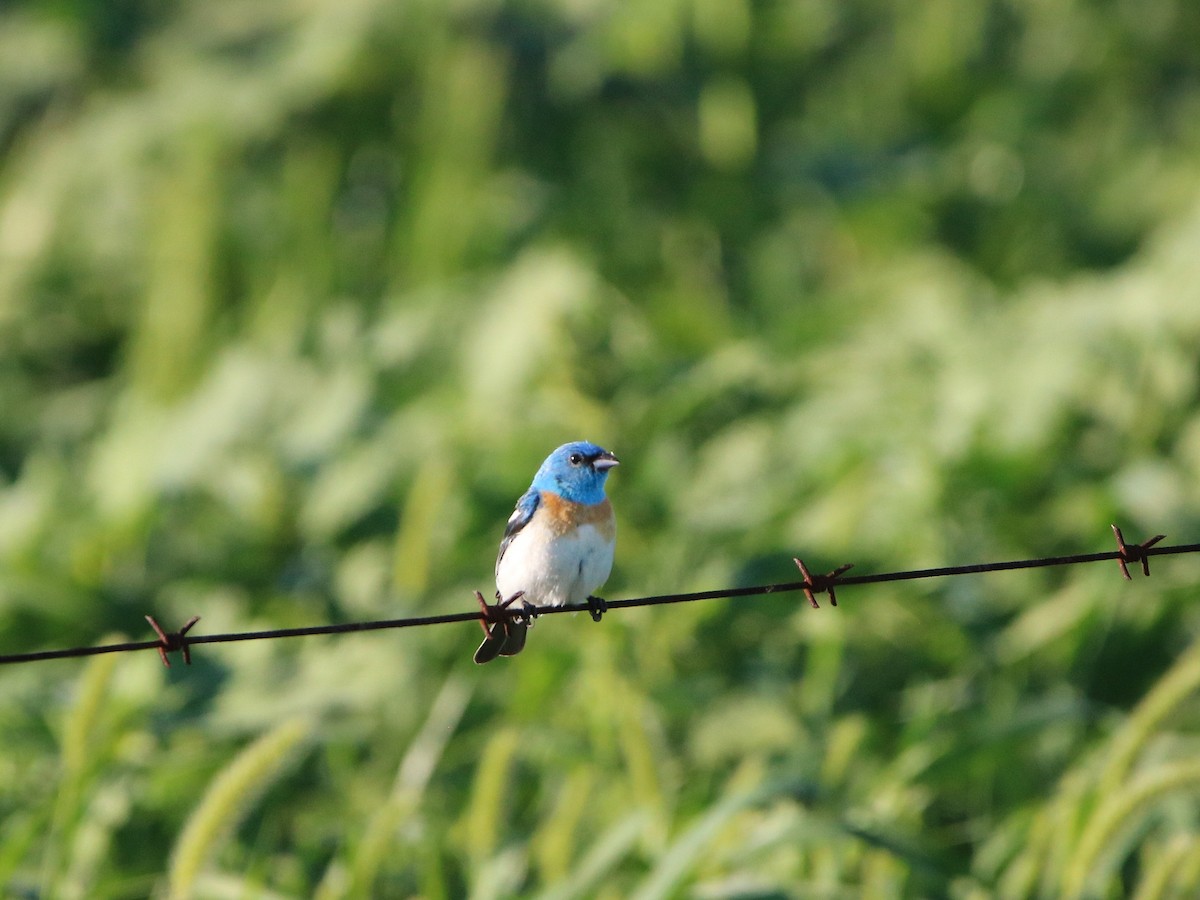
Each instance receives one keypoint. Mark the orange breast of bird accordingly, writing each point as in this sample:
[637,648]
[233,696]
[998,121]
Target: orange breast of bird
[564,516]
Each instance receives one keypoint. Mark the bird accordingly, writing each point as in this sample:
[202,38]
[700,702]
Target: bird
[557,547]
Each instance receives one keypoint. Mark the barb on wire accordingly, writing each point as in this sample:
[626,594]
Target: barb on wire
[499,615]
[168,642]
[1137,553]
[820,584]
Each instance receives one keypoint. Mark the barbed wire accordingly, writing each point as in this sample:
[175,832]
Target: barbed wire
[168,642]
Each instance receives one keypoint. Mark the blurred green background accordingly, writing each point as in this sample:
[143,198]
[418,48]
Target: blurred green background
[296,294]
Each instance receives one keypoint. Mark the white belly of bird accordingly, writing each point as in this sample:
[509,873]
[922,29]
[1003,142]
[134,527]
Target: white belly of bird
[554,569]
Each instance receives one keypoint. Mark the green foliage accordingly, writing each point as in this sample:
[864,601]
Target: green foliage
[225,803]
[295,296]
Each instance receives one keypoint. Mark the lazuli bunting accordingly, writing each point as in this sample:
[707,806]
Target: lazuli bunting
[557,546]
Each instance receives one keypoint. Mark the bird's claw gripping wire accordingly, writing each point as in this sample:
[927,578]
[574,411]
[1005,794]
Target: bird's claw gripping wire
[821,584]
[1134,553]
[170,641]
[497,623]
[597,607]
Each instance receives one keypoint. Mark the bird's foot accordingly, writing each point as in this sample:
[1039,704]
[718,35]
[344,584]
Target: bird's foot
[527,613]
[597,607]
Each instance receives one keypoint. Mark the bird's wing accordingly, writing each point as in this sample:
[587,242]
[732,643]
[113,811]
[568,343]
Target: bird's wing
[520,517]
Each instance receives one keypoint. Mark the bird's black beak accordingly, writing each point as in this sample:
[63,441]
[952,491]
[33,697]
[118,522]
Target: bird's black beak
[604,462]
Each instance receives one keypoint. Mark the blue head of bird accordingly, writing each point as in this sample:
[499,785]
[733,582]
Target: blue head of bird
[576,472]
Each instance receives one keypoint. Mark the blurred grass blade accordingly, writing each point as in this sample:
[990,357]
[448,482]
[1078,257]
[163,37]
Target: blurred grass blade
[228,799]
[682,855]
[554,842]
[1172,689]
[1158,876]
[416,769]
[483,824]
[1106,840]
[608,850]
[80,745]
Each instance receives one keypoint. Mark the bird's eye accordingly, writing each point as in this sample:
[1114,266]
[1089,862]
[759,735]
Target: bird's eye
[576,458]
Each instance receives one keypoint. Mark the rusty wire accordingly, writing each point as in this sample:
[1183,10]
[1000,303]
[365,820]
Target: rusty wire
[811,585]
